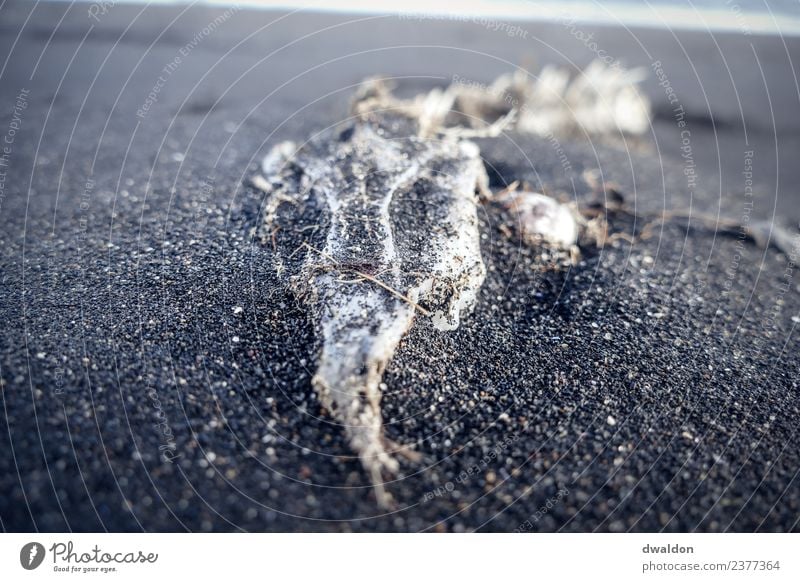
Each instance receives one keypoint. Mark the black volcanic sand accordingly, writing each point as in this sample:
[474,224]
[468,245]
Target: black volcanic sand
[650,387]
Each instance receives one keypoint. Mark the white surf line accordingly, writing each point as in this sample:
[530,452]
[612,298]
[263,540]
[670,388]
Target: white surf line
[731,17]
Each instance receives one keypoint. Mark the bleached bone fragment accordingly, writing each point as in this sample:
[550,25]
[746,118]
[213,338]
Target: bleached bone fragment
[600,100]
[374,223]
[542,218]
[382,230]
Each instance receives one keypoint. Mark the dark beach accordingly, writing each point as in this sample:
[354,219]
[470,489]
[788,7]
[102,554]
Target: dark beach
[156,376]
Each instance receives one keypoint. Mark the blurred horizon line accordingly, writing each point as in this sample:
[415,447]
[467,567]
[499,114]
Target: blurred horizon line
[746,17]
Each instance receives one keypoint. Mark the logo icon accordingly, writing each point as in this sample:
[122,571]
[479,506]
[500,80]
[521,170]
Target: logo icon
[31,555]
